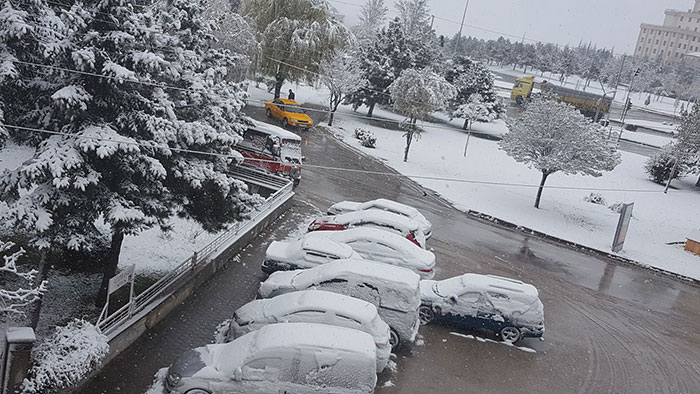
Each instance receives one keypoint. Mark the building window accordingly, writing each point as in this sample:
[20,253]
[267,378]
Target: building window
[690,19]
[665,43]
[657,42]
[694,39]
[685,46]
[681,19]
[654,51]
[679,46]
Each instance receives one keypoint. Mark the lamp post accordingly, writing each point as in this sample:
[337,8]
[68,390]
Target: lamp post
[627,104]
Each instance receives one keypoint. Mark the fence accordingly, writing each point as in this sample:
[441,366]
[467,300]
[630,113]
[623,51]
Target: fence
[112,324]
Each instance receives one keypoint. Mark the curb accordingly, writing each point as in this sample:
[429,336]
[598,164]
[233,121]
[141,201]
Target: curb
[503,223]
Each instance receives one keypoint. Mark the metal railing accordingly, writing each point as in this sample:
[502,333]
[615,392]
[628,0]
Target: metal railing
[111,323]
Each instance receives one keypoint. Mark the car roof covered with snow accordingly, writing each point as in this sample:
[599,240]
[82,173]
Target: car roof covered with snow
[353,268]
[326,246]
[276,131]
[275,338]
[380,216]
[512,287]
[322,301]
[395,241]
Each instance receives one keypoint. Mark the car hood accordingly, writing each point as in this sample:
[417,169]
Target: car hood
[281,251]
[278,280]
[296,116]
[426,290]
[190,362]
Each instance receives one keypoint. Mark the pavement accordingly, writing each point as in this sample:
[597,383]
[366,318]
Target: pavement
[610,327]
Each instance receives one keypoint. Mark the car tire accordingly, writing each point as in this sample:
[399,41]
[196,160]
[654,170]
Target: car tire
[394,339]
[197,391]
[519,100]
[426,315]
[268,113]
[285,124]
[510,334]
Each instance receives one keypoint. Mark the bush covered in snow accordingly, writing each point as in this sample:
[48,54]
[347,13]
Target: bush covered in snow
[659,166]
[366,137]
[66,357]
[595,198]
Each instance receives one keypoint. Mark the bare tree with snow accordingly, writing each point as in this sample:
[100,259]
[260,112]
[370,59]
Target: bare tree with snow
[19,290]
[416,94]
[554,137]
[372,18]
[340,77]
[296,37]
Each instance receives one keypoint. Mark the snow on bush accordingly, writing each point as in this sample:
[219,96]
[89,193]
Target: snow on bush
[66,357]
[595,198]
[366,137]
[659,166]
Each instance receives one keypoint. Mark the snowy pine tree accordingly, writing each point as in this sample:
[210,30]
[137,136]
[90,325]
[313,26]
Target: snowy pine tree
[416,94]
[296,37]
[381,62]
[554,137]
[121,166]
[469,78]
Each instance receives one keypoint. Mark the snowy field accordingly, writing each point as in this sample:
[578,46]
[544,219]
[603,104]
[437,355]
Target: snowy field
[490,182]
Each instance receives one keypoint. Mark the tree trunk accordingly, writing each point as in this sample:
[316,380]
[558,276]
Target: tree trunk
[330,118]
[539,190]
[371,109]
[698,182]
[409,138]
[466,124]
[279,81]
[110,263]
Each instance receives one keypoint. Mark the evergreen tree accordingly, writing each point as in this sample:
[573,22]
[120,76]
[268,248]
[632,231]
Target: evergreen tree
[469,78]
[296,36]
[554,137]
[121,166]
[381,62]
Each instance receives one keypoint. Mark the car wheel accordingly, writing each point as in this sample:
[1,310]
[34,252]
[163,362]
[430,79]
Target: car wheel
[268,113]
[394,339]
[285,124]
[197,391]
[510,334]
[426,314]
[519,100]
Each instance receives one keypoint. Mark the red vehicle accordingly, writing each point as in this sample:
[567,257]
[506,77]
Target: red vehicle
[273,149]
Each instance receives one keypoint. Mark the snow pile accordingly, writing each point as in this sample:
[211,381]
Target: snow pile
[66,357]
[221,330]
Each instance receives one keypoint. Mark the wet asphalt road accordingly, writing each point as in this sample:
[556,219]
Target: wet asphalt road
[611,328]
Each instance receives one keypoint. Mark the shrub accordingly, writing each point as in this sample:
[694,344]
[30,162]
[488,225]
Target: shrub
[595,198]
[659,166]
[66,357]
[366,137]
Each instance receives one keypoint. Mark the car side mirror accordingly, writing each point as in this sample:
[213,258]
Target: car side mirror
[452,299]
[238,374]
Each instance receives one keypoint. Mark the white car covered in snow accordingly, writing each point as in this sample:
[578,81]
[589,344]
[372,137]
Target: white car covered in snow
[384,246]
[393,290]
[508,307]
[314,306]
[304,253]
[373,218]
[385,205]
[299,358]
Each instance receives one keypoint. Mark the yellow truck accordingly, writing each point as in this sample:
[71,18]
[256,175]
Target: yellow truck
[588,103]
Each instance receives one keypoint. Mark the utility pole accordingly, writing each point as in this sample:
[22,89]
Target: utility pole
[627,104]
[461,25]
[432,19]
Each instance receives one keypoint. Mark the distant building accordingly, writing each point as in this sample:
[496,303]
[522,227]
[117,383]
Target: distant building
[677,40]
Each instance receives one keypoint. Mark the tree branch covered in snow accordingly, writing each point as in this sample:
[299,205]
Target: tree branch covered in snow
[340,78]
[554,137]
[14,295]
[65,358]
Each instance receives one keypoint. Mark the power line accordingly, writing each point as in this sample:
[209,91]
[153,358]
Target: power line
[330,168]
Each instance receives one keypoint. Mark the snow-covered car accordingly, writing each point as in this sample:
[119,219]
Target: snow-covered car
[384,246]
[508,307]
[280,358]
[304,253]
[314,306]
[393,290]
[385,205]
[372,218]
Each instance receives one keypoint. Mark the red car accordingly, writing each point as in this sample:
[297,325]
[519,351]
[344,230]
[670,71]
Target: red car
[273,149]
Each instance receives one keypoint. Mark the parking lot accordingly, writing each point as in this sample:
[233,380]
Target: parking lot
[610,327]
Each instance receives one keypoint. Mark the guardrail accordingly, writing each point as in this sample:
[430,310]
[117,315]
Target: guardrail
[110,323]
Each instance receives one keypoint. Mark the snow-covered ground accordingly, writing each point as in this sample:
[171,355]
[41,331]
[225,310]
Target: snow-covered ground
[490,182]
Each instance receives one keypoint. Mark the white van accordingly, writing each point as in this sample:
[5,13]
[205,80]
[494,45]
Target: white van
[314,306]
[395,291]
[299,358]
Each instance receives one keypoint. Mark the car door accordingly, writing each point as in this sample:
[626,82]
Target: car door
[278,109]
[389,255]
[317,258]
[363,247]
[463,309]
[254,377]
[490,318]
[305,316]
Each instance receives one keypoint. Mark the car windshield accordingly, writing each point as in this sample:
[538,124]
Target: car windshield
[448,287]
[294,109]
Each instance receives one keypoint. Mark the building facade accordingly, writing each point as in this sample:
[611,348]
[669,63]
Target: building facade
[677,40]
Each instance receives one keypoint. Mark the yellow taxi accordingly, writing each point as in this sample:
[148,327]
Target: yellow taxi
[289,112]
